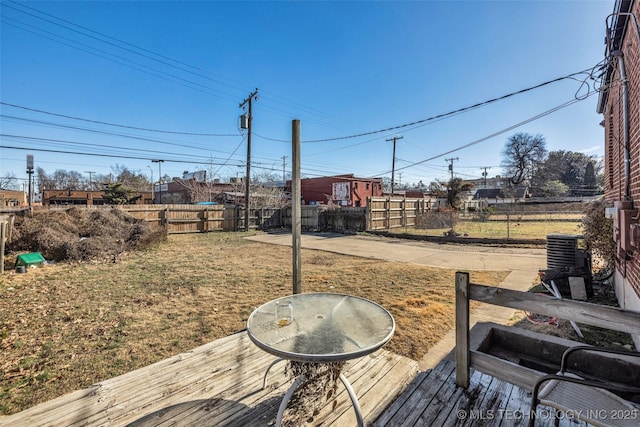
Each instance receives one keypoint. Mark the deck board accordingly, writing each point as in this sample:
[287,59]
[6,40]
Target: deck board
[433,399]
[219,383]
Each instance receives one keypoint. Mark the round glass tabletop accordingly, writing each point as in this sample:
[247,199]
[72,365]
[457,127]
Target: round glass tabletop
[320,327]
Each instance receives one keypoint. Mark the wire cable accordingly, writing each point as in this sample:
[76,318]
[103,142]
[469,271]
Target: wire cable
[477,141]
[118,125]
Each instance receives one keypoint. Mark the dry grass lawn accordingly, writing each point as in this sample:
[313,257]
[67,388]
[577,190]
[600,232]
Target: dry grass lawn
[530,229]
[64,327]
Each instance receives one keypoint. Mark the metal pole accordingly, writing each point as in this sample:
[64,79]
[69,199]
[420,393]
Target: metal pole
[30,195]
[296,208]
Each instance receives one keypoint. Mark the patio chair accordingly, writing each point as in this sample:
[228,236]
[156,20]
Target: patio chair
[589,400]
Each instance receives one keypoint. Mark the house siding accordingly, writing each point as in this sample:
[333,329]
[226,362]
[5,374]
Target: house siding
[627,276]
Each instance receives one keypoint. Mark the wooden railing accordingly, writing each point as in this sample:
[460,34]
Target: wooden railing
[583,312]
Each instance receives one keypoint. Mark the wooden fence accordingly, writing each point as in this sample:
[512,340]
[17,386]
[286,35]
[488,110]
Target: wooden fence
[381,213]
[385,213]
[202,219]
[591,314]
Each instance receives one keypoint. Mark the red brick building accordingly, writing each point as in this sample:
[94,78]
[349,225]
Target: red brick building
[343,190]
[620,105]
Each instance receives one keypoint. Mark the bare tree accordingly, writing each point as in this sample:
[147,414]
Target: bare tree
[521,156]
[134,180]
[196,191]
[9,182]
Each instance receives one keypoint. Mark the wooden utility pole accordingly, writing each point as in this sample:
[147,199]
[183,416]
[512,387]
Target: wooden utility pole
[484,174]
[296,208]
[90,180]
[393,163]
[284,172]
[248,100]
[159,162]
[451,165]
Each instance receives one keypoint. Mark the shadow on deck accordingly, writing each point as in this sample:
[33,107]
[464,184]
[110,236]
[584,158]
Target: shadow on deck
[220,384]
[217,384]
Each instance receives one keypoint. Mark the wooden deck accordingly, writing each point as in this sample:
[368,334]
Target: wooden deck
[433,399]
[220,384]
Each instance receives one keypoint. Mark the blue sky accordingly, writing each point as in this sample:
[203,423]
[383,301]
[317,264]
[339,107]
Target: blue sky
[342,68]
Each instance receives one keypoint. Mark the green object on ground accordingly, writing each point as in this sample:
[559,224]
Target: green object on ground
[30,259]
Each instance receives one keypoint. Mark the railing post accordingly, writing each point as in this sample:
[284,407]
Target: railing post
[462,329]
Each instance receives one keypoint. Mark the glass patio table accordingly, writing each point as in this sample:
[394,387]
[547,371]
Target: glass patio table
[320,328]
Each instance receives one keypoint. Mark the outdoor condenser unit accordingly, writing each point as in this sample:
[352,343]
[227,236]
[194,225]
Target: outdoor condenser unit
[562,251]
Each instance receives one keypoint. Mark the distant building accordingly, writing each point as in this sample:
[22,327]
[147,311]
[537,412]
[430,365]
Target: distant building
[499,195]
[187,191]
[495,182]
[10,198]
[343,190]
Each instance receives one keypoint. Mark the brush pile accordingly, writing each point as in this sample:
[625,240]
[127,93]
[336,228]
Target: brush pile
[80,234]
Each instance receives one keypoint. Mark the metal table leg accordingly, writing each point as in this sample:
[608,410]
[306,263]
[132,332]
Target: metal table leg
[354,400]
[264,380]
[286,398]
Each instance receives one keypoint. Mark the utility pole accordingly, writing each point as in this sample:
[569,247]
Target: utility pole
[393,164]
[159,162]
[90,181]
[284,173]
[30,173]
[484,174]
[153,198]
[248,100]
[451,160]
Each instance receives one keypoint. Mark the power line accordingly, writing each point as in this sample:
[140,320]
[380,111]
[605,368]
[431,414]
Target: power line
[480,104]
[62,141]
[102,132]
[450,113]
[536,117]
[115,124]
[104,155]
[104,38]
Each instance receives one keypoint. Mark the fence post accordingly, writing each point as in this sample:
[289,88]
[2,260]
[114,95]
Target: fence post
[387,212]
[3,237]
[462,329]
[165,219]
